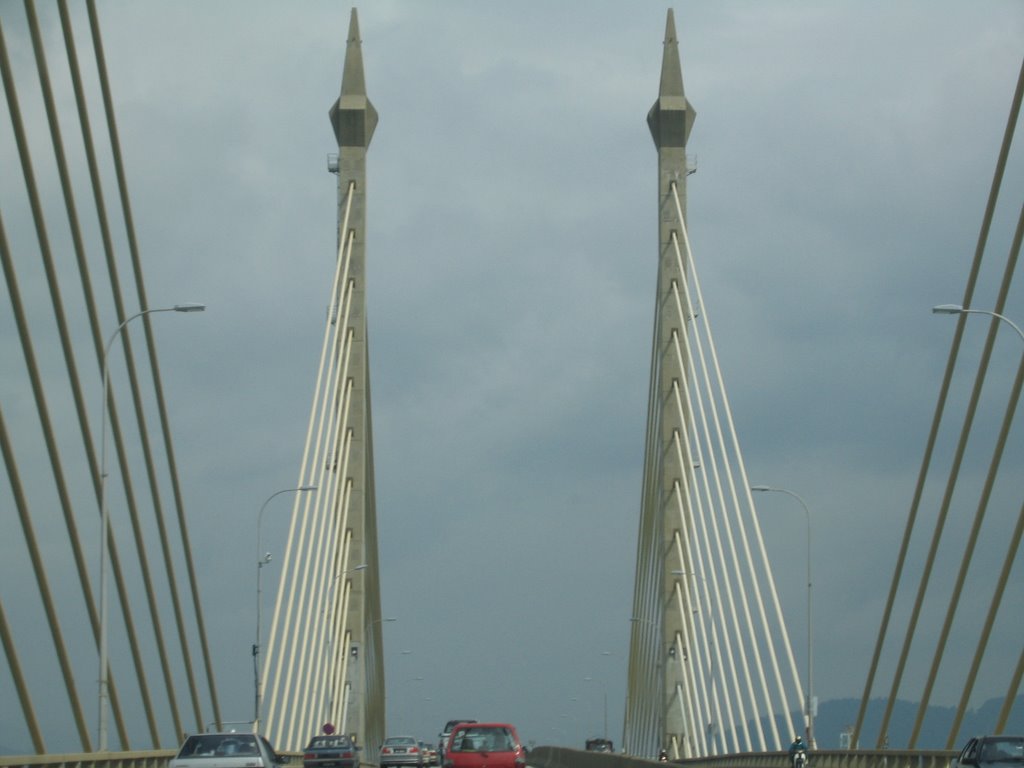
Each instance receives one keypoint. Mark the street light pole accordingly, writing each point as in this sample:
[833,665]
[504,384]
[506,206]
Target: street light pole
[105,517]
[261,560]
[606,654]
[604,687]
[810,631]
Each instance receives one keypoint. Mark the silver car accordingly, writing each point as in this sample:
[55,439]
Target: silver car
[226,750]
[401,750]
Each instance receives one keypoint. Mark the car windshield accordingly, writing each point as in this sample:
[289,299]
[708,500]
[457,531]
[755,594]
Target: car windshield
[483,740]
[1002,750]
[401,741]
[219,745]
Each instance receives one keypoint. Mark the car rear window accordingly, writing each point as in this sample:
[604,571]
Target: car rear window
[218,745]
[483,739]
[335,742]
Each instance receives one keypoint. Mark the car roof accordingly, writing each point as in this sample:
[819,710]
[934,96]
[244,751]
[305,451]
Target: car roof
[223,735]
[464,725]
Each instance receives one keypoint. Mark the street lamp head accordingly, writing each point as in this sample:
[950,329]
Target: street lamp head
[761,488]
[956,309]
[190,307]
[304,488]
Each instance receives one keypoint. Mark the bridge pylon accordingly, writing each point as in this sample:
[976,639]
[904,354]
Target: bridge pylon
[324,663]
[710,666]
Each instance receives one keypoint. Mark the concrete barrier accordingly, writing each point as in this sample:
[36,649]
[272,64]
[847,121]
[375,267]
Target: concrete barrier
[549,757]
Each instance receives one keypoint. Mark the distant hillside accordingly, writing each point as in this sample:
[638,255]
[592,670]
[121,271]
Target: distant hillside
[838,715]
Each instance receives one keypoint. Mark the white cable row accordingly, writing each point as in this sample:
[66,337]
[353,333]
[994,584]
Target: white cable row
[309,634]
[701,550]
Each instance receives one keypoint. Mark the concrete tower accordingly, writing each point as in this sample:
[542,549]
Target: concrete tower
[354,120]
[670,120]
[652,720]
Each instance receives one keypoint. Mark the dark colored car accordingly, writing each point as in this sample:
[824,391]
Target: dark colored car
[991,752]
[600,745]
[484,745]
[401,750]
[442,737]
[334,751]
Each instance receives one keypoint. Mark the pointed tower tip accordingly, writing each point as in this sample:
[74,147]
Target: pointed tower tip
[353,82]
[670,27]
[352,115]
[353,27]
[671,71]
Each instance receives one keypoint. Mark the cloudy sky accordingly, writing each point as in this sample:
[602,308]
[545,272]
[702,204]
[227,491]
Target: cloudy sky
[844,154]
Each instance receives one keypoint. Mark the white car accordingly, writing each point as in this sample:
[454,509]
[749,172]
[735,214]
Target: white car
[226,750]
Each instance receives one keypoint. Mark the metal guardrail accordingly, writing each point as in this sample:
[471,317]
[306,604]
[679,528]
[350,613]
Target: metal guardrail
[157,758]
[557,757]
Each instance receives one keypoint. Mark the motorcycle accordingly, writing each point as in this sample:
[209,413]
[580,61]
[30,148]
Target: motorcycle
[800,759]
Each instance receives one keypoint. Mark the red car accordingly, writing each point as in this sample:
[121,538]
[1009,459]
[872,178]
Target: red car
[484,745]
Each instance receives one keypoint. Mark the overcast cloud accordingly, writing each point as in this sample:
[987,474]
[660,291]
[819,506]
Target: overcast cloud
[844,153]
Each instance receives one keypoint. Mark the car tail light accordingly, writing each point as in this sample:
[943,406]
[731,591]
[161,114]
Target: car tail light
[414,750]
[346,754]
[386,751]
[308,756]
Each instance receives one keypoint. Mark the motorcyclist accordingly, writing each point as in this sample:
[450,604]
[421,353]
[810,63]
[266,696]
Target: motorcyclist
[663,756]
[798,752]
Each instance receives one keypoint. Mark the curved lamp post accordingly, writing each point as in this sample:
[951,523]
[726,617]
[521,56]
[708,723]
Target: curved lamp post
[810,631]
[105,516]
[956,309]
[261,560]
